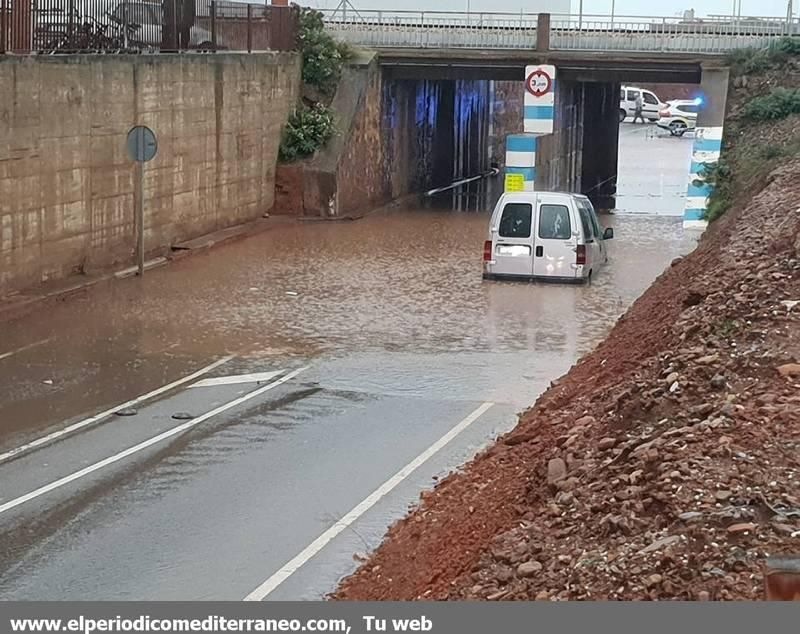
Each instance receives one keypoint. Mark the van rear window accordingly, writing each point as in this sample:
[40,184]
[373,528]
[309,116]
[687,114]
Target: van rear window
[554,222]
[516,220]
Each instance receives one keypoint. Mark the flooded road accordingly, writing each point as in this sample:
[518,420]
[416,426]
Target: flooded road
[391,342]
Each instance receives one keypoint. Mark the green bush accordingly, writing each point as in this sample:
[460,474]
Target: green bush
[308,129]
[778,104]
[323,57]
[752,60]
[720,176]
[789,46]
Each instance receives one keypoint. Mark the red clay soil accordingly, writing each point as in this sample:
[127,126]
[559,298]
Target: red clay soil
[663,465]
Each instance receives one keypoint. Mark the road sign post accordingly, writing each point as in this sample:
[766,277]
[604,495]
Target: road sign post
[142,147]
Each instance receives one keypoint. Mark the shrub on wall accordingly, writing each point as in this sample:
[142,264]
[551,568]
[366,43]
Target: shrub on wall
[755,60]
[312,125]
[323,57]
[308,129]
[778,104]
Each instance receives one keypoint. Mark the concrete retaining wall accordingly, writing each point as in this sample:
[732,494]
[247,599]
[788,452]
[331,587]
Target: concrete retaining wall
[67,186]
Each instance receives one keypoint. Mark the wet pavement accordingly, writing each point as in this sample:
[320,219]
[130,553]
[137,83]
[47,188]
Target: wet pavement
[396,341]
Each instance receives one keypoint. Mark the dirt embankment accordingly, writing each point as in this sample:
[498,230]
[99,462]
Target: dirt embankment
[663,465]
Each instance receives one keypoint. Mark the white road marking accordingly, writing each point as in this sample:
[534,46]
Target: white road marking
[320,542]
[144,445]
[109,412]
[258,377]
[11,353]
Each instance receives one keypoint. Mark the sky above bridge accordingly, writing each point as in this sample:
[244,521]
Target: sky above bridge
[623,7]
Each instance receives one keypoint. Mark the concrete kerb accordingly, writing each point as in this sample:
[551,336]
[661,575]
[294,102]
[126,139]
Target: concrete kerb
[18,305]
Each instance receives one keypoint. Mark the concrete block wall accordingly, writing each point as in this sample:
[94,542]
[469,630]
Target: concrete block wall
[362,172]
[67,185]
[507,113]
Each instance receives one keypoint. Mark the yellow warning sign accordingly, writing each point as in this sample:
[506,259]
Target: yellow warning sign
[515,183]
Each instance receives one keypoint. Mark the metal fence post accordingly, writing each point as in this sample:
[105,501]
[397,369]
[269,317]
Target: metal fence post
[3,26]
[71,23]
[213,25]
[175,24]
[249,28]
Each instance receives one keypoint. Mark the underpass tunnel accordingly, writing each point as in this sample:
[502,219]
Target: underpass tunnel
[582,153]
[446,123]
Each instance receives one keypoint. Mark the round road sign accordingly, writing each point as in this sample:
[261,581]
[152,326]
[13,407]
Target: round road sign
[142,144]
[538,83]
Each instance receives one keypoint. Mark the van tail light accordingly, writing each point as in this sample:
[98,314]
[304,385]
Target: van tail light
[581,254]
[487,251]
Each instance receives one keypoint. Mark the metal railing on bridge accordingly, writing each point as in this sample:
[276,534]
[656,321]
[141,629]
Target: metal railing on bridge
[444,29]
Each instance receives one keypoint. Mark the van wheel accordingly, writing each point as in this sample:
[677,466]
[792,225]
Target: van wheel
[622,115]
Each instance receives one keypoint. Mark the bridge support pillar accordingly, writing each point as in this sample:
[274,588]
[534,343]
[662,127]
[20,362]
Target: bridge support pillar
[707,143]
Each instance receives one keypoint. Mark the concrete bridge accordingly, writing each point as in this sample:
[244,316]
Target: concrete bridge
[593,57]
[546,32]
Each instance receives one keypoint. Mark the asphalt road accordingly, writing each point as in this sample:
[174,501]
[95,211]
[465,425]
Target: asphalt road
[393,362]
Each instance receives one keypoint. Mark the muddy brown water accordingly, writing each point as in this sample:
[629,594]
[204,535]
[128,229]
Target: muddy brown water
[402,281]
[403,336]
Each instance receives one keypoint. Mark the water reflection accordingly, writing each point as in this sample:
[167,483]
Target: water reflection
[400,290]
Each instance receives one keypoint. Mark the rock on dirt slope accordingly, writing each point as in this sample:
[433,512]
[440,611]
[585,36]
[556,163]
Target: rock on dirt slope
[664,465]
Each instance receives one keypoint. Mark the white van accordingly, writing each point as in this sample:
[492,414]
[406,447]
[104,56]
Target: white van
[627,103]
[544,235]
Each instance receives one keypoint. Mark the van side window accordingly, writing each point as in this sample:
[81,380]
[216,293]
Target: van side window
[554,222]
[516,220]
[593,218]
[586,223]
[650,98]
[632,95]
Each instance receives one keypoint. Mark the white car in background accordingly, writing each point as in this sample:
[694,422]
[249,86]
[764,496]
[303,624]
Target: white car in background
[680,116]
[651,104]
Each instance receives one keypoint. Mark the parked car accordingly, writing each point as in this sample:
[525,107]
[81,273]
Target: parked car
[110,25]
[680,116]
[149,16]
[544,236]
[627,103]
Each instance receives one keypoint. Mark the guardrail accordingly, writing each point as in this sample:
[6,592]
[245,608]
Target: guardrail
[446,29]
[433,29]
[713,36]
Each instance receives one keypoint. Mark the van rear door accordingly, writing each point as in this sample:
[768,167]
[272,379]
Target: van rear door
[595,253]
[556,237]
[513,239]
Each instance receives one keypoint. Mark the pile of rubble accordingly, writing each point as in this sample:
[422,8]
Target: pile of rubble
[664,465]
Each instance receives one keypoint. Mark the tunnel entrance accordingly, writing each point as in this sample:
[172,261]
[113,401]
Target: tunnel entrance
[436,131]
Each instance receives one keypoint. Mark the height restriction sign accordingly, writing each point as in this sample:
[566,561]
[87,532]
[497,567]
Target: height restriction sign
[539,83]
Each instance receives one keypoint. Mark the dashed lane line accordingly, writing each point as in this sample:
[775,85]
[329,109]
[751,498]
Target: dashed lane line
[77,475]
